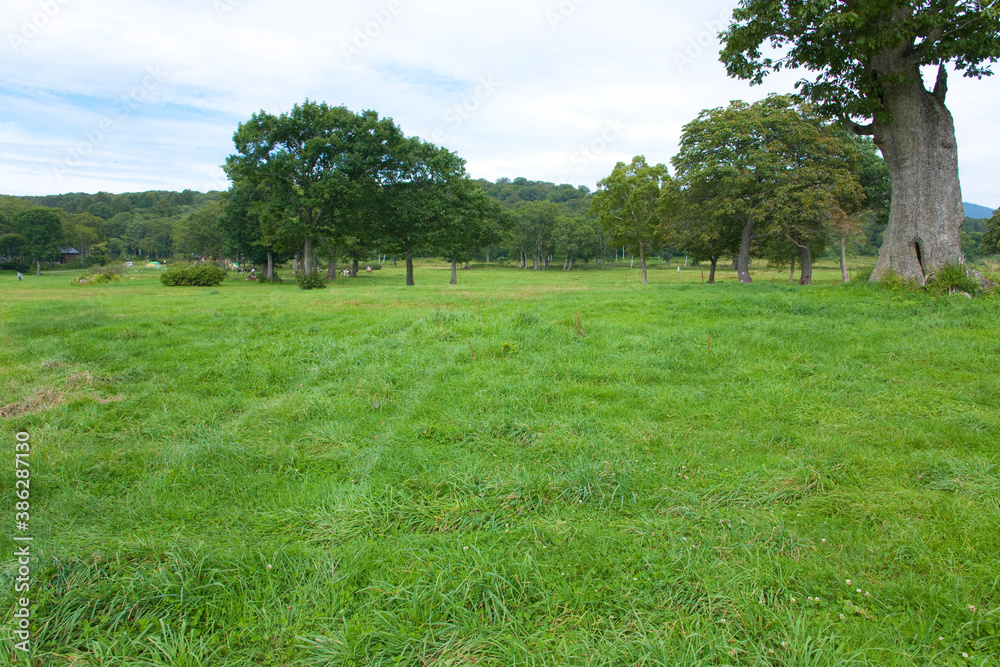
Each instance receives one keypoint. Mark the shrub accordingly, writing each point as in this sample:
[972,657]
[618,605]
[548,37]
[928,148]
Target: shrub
[312,281]
[17,265]
[953,279]
[99,279]
[206,275]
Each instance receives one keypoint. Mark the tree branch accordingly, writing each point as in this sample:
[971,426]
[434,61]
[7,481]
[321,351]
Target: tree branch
[941,87]
[860,130]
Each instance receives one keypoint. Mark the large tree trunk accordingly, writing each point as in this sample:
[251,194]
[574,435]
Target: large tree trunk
[743,261]
[711,272]
[409,267]
[354,268]
[919,146]
[806,272]
[843,258]
[270,265]
[331,270]
[38,267]
[454,271]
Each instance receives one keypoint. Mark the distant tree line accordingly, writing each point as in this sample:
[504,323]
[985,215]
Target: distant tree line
[775,180]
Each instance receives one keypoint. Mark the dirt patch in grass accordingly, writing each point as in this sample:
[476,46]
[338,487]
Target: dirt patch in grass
[43,399]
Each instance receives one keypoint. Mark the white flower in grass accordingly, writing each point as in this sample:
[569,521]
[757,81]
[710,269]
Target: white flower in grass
[972,608]
[848,582]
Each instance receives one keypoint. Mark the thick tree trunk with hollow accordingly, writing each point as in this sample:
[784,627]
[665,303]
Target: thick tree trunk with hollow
[920,149]
[743,261]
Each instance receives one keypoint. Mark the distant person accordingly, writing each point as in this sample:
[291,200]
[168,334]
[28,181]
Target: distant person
[19,277]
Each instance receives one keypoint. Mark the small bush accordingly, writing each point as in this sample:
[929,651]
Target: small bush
[897,283]
[312,281]
[17,265]
[99,279]
[953,279]
[207,275]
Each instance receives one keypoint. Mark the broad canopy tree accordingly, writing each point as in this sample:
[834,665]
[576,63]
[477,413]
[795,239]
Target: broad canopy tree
[866,58]
[772,167]
[418,191]
[312,162]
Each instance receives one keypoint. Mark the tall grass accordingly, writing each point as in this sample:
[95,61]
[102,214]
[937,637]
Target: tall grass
[523,469]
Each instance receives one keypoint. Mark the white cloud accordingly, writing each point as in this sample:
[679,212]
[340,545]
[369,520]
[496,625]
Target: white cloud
[562,69]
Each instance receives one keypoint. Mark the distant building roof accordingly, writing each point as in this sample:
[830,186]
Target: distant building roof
[68,251]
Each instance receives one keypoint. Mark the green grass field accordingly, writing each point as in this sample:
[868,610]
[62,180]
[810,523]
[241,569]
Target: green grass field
[524,469]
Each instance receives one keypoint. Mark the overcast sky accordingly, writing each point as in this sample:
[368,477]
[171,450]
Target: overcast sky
[132,95]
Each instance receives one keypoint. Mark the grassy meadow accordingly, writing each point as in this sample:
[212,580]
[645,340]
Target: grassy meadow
[522,469]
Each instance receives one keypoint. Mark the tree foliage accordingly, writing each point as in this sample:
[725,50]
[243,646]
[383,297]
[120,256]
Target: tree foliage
[865,60]
[627,205]
[41,231]
[855,49]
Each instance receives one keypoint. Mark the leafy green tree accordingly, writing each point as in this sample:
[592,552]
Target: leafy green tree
[312,161]
[576,237]
[200,234]
[705,239]
[866,59]
[990,243]
[534,223]
[766,168]
[418,194]
[627,205]
[40,230]
[476,221]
